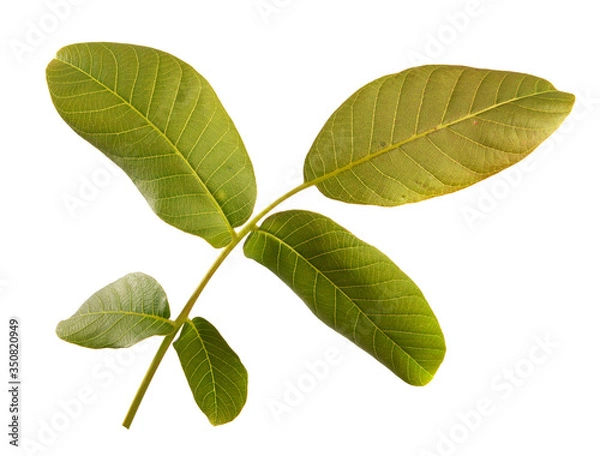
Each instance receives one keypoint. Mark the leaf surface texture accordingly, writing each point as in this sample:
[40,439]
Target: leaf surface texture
[119,315]
[217,377]
[431,130]
[162,123]
[353,288]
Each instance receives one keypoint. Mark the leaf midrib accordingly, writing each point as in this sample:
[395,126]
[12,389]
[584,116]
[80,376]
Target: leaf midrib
[210,367]
[281,241]
[119,312]
[399,144]
[164,136]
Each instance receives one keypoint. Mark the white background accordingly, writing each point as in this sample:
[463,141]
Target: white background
[504,264]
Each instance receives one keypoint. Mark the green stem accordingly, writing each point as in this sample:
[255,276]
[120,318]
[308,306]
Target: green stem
[183,316]
[135,404]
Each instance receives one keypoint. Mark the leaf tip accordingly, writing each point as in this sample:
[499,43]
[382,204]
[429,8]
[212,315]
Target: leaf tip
[572,98]
[59,330]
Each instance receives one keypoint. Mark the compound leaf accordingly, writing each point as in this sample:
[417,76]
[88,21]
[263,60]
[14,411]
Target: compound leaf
[119,315]
[162,123]
[217,377]
[431,130]
[353,288]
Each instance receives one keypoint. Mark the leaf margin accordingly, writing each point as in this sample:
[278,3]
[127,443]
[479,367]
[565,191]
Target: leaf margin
[65,331]
[198,328]
[228,220]
[311,177]
[423,375]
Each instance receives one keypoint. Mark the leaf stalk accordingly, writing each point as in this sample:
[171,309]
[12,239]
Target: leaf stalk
[185,312]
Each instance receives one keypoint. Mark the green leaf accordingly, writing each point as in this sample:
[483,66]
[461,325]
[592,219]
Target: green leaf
[217,377]
[353,288]
[119,315]
[162,123]
[431,130]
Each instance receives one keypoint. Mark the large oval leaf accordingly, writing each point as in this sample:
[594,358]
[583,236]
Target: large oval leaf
[217,377]
[119,315]
[431,130]
[353,288]
[162,123]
